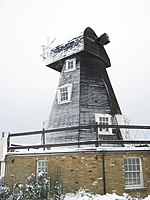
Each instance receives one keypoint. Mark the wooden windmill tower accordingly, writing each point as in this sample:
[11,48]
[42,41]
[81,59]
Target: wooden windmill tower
[84,95]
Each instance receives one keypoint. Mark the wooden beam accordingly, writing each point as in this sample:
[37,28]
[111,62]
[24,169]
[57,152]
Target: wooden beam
[80,127]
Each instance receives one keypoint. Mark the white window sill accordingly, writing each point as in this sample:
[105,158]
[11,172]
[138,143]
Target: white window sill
[69,70]
[135,187]
[62,102]
[105,133]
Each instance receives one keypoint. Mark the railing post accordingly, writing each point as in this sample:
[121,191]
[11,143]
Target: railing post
[43,138]
[8,142]
[96,135]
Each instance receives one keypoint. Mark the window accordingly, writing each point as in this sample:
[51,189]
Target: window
[133,172]
[64,93]
[103,119]
[42,166]
[70,65]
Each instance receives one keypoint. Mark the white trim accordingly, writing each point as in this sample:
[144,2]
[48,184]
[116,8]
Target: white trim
[141,184]
[104,131]
[73,61]
[45,166]
[69,91]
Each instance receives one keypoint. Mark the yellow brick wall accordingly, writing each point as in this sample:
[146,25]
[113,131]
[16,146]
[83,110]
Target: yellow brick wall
[81,170]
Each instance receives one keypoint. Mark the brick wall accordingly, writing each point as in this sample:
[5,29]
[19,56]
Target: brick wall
[82,170]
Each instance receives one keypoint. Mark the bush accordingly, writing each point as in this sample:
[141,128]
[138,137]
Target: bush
[37,188]
[4,190]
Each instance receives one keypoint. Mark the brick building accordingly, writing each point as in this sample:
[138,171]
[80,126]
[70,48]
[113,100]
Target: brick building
[99,170]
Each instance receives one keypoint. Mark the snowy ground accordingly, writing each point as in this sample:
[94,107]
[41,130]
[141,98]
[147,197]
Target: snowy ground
[82,195]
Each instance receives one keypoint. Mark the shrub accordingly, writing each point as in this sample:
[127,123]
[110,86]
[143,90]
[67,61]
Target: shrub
[36,188]
[4,190]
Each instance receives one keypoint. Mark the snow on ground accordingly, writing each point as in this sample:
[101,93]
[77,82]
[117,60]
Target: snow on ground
[83,195]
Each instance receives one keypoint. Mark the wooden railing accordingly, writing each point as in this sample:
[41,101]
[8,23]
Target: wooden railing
[96,142]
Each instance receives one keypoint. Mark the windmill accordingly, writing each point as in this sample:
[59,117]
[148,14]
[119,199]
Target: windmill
[84,95]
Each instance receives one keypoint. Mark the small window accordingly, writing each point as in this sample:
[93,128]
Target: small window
[133,172]
[64,93]
[70,65]
[42,166]
[103,119]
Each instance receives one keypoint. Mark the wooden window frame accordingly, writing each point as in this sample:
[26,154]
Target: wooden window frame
[70,65]
[104,119]
[133,173]
[42,166]
[64,96]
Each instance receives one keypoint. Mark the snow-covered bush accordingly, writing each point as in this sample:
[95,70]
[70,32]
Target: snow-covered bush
[4,190]
[36,188]
[58,190]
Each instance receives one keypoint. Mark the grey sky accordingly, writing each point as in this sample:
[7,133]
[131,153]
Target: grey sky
[27,87]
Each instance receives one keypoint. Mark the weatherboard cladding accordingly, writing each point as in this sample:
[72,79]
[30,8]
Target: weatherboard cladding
[92,93]
[66,114]
[94,96]
[89,96]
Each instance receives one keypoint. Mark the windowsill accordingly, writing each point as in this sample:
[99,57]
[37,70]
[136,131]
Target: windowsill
[62,102]
[135,188]
[69,70]
[105,133]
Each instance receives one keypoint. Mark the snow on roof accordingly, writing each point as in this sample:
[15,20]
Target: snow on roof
[77,150]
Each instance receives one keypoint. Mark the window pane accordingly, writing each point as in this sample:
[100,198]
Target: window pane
[125,161]
[138,167]
[126,168]
[137,161]
[130,167]
[70,65]
[103,121]
[134,167]
[42,165]
[64,94]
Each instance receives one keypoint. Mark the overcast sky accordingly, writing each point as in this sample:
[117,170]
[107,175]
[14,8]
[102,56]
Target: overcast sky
[27,86]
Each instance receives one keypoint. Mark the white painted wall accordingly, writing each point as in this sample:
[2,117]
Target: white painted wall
[3,151]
